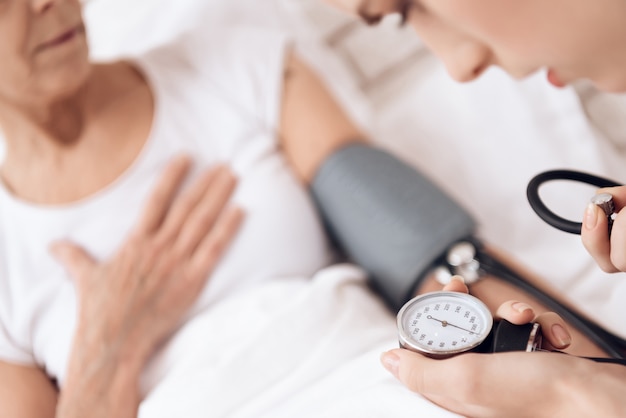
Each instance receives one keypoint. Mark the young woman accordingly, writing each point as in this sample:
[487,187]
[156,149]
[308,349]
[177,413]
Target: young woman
[570,40]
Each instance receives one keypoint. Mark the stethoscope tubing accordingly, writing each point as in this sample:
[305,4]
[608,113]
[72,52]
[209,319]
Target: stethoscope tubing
[532,193]
[612,344]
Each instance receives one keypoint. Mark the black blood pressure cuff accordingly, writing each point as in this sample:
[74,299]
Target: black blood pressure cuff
[387,217]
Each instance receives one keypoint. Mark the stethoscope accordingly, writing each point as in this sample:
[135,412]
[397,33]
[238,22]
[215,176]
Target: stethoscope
[603,200]
[612,344]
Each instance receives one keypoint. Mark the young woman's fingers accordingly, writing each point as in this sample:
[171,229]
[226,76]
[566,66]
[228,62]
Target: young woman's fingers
[162,195]
[515,312]
[457,284]
[595,237]
[553,327]
[554,330]
[212,247]
[611,257]
[201,220]
[618,242]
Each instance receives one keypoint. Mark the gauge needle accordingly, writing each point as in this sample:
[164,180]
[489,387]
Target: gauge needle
[446,323]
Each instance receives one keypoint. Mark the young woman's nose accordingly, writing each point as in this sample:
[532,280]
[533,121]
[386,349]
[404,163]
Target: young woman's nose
[42,6]
[464,56]
[466,60]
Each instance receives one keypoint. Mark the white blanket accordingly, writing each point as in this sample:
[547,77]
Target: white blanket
[297,347]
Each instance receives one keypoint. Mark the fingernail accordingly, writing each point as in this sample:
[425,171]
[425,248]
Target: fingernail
[561,335]
[591,218]
[521,307]
[391,362]
[458,278]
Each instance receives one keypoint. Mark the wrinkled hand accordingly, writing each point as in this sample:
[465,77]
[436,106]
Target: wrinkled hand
[609,254]
[130,303]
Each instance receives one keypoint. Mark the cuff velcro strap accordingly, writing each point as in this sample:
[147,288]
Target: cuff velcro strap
[387,217]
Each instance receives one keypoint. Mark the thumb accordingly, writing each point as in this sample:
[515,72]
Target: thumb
[427,376]
[75,259]
[406,366]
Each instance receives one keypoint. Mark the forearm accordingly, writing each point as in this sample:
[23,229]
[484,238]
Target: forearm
[101,382]
[26,392]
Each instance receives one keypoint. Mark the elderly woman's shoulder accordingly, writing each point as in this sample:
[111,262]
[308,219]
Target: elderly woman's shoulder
[228,48]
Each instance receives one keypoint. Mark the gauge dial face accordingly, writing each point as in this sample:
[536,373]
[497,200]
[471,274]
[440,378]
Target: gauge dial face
[443,323]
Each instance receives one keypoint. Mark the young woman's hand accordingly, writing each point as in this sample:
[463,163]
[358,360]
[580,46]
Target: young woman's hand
[514,384]
[609,253]
[554,329]
[129,304]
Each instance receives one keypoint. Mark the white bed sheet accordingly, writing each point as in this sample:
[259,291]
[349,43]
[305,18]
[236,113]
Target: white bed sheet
[298,347]
[481,142]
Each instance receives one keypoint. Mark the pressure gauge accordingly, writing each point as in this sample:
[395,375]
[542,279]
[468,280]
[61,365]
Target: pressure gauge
[442,324]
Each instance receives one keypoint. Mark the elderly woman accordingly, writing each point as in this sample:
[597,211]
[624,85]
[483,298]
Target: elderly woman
[93,288]
[85,143]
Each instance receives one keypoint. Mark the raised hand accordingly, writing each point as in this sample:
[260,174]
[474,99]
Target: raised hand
[130,303]
[608,252]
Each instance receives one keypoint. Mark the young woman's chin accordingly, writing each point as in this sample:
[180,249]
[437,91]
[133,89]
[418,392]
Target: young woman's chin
[611,86]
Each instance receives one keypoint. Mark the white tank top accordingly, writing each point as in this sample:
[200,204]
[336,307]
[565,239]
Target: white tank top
[217,100]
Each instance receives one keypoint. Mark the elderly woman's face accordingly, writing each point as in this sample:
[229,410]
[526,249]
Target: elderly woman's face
[571,38]
[43,49]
